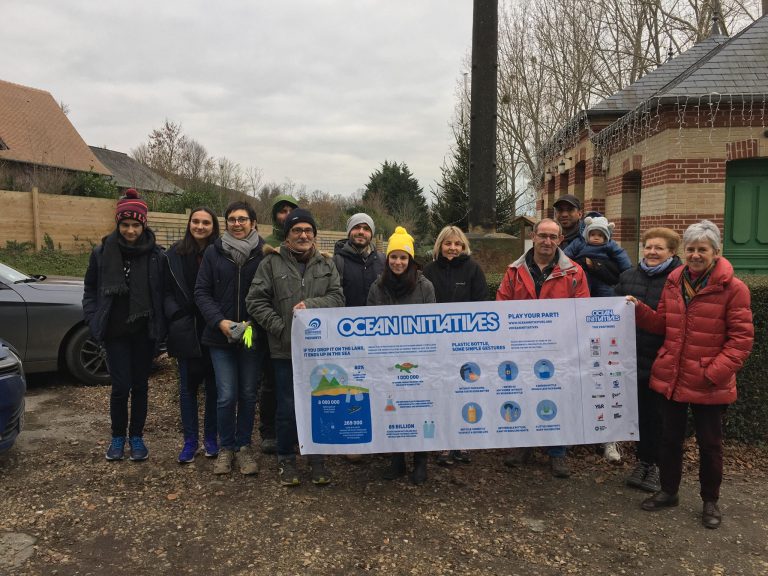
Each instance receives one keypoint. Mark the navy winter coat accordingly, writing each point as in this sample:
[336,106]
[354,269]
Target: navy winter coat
[221,289]
[458,280]
[185,323]
[356,274]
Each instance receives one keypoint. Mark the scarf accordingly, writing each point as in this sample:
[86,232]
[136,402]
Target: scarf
[126,271]
[658,269]
[239,250]
[402,285]
[692,286]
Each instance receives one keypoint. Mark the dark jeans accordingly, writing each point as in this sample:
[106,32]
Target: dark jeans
[192,373]
[238,374]
[267,403]
[708,421]
[129,359]
[285,419]
[649,416]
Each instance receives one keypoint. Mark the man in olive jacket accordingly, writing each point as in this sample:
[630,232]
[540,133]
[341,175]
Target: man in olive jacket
[294,277]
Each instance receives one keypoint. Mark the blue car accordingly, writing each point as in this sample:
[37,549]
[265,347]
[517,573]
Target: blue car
[13,386]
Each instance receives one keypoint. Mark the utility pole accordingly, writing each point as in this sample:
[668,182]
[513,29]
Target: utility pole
[482,127]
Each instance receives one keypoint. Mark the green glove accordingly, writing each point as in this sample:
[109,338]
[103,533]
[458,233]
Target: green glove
[248,337]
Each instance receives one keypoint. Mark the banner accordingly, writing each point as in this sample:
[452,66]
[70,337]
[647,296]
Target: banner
[464,376]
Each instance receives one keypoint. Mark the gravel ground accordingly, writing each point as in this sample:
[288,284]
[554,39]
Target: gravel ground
[65,510]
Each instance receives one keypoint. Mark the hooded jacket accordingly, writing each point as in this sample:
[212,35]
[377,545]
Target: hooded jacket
[705,343]
[279,285]
[356,273]
[567,280]
[221,288]
[277,236]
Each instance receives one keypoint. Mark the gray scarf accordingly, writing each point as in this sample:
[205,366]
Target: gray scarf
[239,250]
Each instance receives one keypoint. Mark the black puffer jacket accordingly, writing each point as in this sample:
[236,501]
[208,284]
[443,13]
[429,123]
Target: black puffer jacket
[185,323]
[458,280]
[221,289]
[636,282]
[357,274]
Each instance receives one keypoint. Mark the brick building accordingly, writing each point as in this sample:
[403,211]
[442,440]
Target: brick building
[687,141]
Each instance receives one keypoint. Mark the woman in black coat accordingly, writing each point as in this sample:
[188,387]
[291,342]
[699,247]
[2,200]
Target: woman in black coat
[123,306]
[645,282]
[185,328]
[456,278]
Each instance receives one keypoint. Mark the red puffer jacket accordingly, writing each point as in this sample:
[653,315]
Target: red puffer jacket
[567,280]
[705,345]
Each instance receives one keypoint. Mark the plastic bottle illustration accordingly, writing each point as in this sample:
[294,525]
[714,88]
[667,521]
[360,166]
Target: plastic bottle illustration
[390,407]
[472,414]
[508,413]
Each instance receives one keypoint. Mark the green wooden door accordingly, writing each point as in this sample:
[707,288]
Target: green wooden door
[746,215]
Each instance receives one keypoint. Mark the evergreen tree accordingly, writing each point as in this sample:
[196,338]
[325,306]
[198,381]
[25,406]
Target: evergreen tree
[398,190]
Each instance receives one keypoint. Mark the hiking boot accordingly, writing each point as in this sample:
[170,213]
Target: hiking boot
[559,467]
[419,474]
[189,450]
[318,472]
[638,474]
[289,474]
[211,446]
[139,450]
[354,458]
[711,517]
[223,464]
[651,482]
[116,450]
[268,446]
[462,456]
[660,500]
[396,467]
[445,458]
[246,461]
[611,452]
[518,457]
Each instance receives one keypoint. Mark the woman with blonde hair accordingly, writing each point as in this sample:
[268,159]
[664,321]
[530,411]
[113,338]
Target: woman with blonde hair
[456,278]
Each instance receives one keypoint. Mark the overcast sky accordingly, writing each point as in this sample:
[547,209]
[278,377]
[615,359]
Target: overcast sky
[317,91]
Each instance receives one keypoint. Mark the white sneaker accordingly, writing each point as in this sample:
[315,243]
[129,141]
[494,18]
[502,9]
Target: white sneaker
[611,452]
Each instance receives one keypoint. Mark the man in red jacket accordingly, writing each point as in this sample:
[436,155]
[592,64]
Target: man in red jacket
[544,272]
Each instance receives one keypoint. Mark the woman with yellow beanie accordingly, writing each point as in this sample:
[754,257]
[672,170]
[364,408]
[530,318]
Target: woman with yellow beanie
[402,283]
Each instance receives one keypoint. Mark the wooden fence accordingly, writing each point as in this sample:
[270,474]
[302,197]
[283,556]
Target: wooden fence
[75,224]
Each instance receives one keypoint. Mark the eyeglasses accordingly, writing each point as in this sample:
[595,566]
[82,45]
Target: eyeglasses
[552,237]
[300,231]
[238,220]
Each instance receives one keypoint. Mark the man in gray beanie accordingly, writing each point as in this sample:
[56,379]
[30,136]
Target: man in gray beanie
[356,258]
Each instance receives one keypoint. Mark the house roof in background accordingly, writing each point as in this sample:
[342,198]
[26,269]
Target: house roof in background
[131,174]
[716,65]
[35,130]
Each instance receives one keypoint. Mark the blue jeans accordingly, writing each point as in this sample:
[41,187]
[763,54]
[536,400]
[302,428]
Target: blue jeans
[129,359]
[192,373]
[238,373]
[285,417]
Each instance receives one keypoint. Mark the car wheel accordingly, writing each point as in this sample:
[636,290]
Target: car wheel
[86,359]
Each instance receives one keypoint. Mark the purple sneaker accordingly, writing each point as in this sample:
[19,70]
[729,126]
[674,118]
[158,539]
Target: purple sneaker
[187,453]
[211,446]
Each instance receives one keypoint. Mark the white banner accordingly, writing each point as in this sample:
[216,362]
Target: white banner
[465,376]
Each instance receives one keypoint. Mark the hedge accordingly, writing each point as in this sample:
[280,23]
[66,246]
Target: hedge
[747,419]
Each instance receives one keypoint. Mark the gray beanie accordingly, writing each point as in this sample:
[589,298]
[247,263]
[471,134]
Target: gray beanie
[598,223]
[360,218]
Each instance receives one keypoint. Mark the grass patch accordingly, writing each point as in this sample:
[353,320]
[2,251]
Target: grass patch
[47,261]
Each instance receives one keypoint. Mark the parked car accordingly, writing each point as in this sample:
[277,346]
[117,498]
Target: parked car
[43,319]
[12,389]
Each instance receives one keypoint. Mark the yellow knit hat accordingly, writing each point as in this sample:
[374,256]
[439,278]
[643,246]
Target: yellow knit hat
[401,240]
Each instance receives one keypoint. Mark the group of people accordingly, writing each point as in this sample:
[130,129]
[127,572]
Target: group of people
[224,305]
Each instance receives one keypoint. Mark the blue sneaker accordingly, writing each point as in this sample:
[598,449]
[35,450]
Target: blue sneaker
[138,449]
[116,450]
[187,453]
[211,446]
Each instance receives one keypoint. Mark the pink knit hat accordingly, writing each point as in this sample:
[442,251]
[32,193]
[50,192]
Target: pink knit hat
[131,206]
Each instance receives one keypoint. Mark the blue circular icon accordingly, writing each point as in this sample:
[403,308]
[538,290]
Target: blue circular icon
[470,372]
[546,409]
[544,369]
[508,371]
[472,413]
[510,411]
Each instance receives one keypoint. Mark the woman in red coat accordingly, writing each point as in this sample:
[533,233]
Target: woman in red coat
[705,316]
